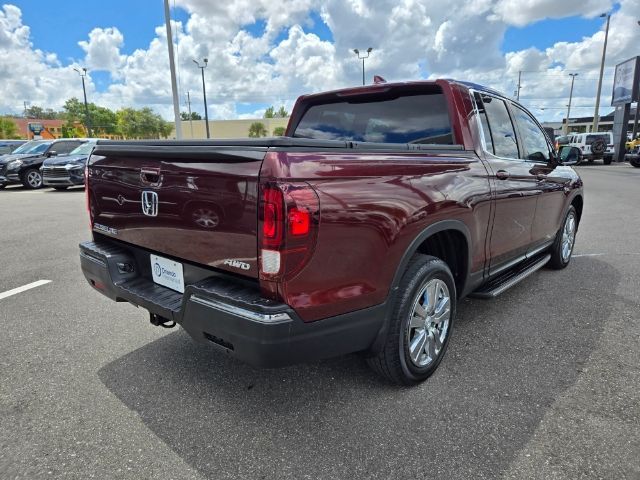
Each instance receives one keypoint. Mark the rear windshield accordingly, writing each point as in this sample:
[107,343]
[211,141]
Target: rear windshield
[421,118]
[592,138]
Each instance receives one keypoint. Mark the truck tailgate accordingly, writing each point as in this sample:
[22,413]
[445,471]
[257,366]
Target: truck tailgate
[193,203]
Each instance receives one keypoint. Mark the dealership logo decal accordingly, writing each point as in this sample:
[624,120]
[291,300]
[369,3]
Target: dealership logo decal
[150,203]
[157,269]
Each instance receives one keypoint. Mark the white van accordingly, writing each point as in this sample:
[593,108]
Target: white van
[603,147]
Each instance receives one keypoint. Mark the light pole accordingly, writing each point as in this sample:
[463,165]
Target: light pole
[357,52]
[83,74]
[604,54]
[204,94]
[172,70]
[573,77]
[189,108]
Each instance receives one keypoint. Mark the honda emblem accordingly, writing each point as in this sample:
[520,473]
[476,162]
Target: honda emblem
[150,203]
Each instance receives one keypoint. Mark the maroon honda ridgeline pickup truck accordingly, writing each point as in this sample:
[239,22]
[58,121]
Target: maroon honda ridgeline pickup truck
[356,232]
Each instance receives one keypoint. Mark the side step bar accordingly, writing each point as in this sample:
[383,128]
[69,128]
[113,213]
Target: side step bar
[510,278]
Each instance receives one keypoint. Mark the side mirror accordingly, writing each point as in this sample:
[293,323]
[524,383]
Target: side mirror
[568,155]
[52,153]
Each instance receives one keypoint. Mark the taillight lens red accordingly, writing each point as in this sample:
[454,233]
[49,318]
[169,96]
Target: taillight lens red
[289,219]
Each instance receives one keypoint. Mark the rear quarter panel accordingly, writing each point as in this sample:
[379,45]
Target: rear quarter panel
[373,205]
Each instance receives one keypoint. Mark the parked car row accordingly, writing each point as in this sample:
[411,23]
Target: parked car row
[53,163]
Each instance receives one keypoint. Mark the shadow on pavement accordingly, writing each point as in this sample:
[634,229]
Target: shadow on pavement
[508,361]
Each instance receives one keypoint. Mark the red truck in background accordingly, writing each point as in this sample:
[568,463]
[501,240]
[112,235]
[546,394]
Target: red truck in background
[356,232]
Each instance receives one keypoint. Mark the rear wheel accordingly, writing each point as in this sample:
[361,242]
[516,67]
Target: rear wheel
[32,178]
[607,160]
[420,325]
[562,248]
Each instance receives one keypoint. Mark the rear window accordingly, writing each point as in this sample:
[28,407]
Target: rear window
[593,138]
[421,118]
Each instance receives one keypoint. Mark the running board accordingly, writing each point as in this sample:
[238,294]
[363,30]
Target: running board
[506,280]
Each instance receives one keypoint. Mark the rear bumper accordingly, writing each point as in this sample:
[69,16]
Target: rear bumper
[230,314]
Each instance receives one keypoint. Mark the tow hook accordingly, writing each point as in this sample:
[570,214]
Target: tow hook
[159,321]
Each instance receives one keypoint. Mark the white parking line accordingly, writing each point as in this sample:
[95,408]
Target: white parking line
[23,288]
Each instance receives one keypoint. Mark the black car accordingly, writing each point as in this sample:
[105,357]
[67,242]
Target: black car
[23,165]
[67,170]
[8,146]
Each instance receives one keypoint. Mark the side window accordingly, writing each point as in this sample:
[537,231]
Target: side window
[503,134]
[486,131]
[534,140]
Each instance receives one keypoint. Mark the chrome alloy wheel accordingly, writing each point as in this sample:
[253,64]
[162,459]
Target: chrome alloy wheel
[568,236]
[34,179]
[428,323]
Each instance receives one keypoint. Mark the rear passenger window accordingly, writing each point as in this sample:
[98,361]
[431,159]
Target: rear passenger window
[503,134]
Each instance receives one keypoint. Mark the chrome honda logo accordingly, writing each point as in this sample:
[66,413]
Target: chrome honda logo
[150,203]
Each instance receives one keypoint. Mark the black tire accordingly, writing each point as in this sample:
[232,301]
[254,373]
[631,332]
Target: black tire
[2,185]
[32,179]
[607,160]
[635,161]
[393,361]
[558,260]
[60,189]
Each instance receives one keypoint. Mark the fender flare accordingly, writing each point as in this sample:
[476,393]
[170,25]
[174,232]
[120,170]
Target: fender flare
[432,229]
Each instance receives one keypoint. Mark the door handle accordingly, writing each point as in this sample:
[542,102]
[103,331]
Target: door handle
[502,174]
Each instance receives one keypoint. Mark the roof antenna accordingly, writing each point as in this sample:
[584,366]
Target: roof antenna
[378,79]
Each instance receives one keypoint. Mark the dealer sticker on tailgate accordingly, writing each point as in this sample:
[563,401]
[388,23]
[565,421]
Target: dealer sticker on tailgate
[167,273]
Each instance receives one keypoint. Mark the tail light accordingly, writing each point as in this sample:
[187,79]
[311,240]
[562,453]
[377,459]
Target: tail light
[288,222]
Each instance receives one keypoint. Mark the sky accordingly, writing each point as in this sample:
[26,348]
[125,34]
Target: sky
[265,52]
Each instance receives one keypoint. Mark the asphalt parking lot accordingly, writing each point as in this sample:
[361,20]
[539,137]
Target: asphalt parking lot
[543,382]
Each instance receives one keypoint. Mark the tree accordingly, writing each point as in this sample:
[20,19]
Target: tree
[257,129]
[194,116]
[143,123]
[279,131]
[103,120]
[272,113]
[35,111]
[8,129]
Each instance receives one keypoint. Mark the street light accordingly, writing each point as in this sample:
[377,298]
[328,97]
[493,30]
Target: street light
[604,54]
[83,74]
[357,52]
[204,94]
[573,77]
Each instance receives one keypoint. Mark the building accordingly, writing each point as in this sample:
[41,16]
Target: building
[228,128]
[585,124]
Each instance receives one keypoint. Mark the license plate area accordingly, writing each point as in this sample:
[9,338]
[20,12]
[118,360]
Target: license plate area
[167,273]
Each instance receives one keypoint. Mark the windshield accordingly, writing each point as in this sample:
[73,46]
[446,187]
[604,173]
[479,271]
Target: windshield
[84,149]
[32,147]
[422,118]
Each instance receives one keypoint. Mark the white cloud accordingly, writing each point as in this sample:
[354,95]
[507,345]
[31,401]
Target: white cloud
[411,39]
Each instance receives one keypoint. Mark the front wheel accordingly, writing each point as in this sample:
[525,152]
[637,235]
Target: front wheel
[420,324]
[562,248]
[32,178]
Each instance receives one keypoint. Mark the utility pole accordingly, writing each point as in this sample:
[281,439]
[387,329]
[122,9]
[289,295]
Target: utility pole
[357,52]
[573,77]
[25,109]
[86,105]
[519,85]
[596,114]
[172,68]
[189,108]
[204,94]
